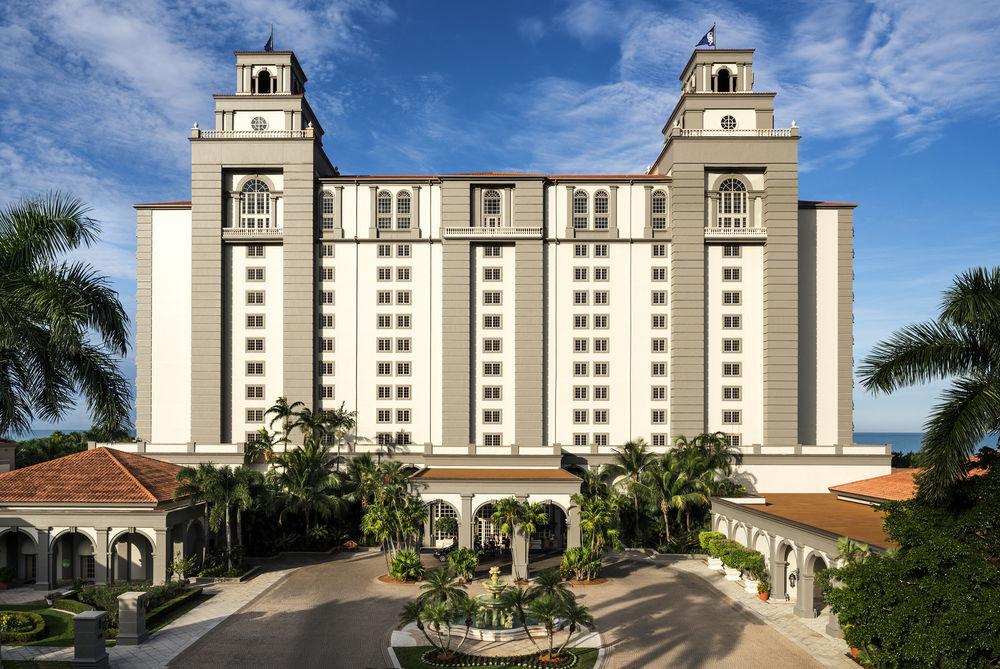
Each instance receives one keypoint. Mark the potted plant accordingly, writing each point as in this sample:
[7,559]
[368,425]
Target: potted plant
[6,576]
[763,587]
[707,542]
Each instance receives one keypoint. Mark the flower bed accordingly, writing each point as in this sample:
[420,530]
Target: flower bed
[21,626]
[531,661]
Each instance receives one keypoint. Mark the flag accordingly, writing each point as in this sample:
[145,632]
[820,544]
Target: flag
[270,40]
[708,39]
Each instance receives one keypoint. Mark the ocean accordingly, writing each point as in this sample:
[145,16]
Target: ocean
[905,442]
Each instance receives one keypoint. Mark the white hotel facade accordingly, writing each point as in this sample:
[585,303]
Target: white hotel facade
[494,327]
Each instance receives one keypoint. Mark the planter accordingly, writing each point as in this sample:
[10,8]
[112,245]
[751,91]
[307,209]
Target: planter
[733,574]
[715,563]
[764,596]
[750,586]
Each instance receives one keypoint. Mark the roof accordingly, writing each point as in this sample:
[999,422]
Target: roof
[826,513]
[897,486]
[96,476]
[564,177]
[178,204]
[815,204]
[491,474]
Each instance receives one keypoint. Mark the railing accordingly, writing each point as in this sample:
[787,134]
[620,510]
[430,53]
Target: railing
[197,133]
[751,132]
[255,233]
[737,233]
[511,231]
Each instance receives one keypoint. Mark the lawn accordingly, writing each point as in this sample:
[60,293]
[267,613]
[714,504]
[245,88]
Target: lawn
[409,658]
[58,625]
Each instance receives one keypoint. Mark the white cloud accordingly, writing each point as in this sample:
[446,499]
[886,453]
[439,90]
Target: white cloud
[531,28]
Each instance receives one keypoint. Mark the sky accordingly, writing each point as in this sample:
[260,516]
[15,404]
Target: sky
[896,103]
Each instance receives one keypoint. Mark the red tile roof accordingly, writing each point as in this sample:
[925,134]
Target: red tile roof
[897,486]
[96,476]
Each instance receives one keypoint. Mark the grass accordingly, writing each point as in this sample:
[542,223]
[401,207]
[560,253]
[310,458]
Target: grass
[71,605]
[409,658]
[58,625]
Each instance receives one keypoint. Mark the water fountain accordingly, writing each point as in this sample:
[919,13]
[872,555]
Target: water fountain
[492,611]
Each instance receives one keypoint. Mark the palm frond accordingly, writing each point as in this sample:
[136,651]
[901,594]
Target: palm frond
[973,298]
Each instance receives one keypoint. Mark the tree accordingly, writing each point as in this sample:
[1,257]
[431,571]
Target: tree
[962,344]
[546,609]
[629,463]
[442,585]
[340,422]
[550,583]
[672,487]
[506,515]
[932,601]
[62,326]
[517,599]
[56,445]
[306,476]
[285,413]
[574,615]
[223,489]
[599,520]
[261,447]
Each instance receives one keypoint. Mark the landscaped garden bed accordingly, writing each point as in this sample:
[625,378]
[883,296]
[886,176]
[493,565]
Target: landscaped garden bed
[423,657]
[58,629]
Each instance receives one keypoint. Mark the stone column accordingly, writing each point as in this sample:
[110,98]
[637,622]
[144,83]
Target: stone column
[465,523]
[573,527]
[613,208]
[102,568]
[415,209]
[519,553]
[806,587]
[161,557]
[132,618]
[427,530]
[43,564]
[89,651]
[779,577]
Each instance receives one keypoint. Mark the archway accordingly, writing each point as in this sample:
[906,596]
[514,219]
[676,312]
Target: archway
[263,82]
[723,78]
[131,558]
[485,534]
[72,558]
[785,576]
[551,536]
[722,526]
[762,546]
[815,564]
[740,535]
[437,510]
[20,554]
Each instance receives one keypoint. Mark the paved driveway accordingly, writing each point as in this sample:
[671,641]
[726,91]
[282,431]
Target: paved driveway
[335,615]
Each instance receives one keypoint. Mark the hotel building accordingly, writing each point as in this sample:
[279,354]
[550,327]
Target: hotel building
[493,327]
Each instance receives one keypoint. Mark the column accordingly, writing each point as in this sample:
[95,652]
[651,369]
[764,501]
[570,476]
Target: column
[519,544]
[177,541]
[101,558]
[570,190]
[804,607]
[427,531]
[234,209]
[44,561]
[613,208]
[161,556]
[573,527]
[415,209]
[779,575]
[465,523]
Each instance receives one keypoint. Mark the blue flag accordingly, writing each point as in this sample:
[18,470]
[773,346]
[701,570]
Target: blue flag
[708,39]
[270,41]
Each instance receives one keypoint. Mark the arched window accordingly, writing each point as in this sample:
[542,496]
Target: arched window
[328,204]
[383,220]
[255,205]
[732,204]
[658,210]
[403,210]
[601,210]
[263,81]
[492,209]
[438,511]
[724,81]
[580,210]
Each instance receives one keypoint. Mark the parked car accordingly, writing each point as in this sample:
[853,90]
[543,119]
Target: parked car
[442,553]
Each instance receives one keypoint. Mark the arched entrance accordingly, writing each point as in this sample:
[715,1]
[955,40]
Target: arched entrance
[486,534]
[551,536]
[131,558]
[437,510]
[20,554]
[762,546]
[73,557]
[815,563]
[786,572]
[723,78]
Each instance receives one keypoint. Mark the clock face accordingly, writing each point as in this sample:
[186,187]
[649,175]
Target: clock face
[728,122]
[258,123]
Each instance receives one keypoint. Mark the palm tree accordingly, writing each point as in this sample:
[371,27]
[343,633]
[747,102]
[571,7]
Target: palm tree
[306,475]
[599,520]
[545,610]
[413,613]
[467,608]
[248,481]
[222,488]
[284,412]
[438,615]
[532,517]
[672,487]
[62,327]
[630,461]
[962,344]
[593,482]
[517,599]
[550,583]
[506,516]
[339,423]
[261,447]
[442,585]
[574,615]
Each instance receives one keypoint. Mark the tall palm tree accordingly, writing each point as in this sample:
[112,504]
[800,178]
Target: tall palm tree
[307,477]
[629,463]
[222,488]
[574,615]
[248,481]
[672,487]
[340,422]
[550,583]
[506,517]
[285,413]
[262,446]
[962,344]
[532,517]
[442,585]
[62,328]
[517,599]
[413,613]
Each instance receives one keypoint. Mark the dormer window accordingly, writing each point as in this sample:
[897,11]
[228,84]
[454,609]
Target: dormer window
[255,205]
[732,204]
[492,209]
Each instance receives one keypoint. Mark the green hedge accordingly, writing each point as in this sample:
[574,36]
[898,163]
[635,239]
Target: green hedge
[105,597]
[21,626]
[71,605]
[153,616]
[706,538]
[736,556]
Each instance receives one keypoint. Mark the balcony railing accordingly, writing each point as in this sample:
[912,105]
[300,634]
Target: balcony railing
[735,233]
[745,132]
[197,133]
[251,233]
[504,231]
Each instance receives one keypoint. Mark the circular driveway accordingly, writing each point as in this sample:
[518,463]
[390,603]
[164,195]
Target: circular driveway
[335,614]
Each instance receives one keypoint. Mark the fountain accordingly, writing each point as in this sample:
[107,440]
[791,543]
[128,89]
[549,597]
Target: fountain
[492,611]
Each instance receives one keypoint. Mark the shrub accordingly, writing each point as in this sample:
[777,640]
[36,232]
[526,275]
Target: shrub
[71,605]
[406,566]
[581,563]
[105,597]
[154,615]
[705,539]
[6,574]
[21,626]
[463,561]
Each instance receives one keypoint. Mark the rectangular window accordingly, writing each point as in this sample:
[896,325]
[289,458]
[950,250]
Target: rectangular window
[255,251]
[580,439]
[385,250]
[492,274]
[326,320]
[491,345]
[731,417]
[658,250]
[580,416]
[581,345]
[384,438]
[658,439]
[491,416]
[255,320]
[326,250]
[255,392]
[600,369]
[402,415]
[731,392]
[383,321]
[601,393]
[581,321]
[255,344]
[601,439]
[384,273]
[491,321]
[403,345]
[581,369]
[601,416]
[581,274]
[402,274]
[327,297]
[732,273]
[326,392]
[402,250]
[402,369]
[601,250]
[734,440]
[327,344]
[601,345]
[602,298]
[731,251]
[492,369]
[732,345]
[383,369]
[326,368]
[383,392]
[255,297]
[403,321]
[659,345]
[492,251]
[732,322]
[600,274]
[658,369]
[492,439]
[732,297]
[492,392]
[326,273]
[658,297]
[658,321]
[581,297]
[383,416]
[255,368]
[581,251]
[659,273]
[492,297]
[255,416]
[658,393]
[731,369]
[402,392]
[581,392]
[601,321]
[658,416]
[255,273]
[383,297]
[403,297]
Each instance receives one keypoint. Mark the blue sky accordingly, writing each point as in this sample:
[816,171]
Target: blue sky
[896,101]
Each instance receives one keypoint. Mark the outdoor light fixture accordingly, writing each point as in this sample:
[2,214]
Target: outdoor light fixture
[792,578]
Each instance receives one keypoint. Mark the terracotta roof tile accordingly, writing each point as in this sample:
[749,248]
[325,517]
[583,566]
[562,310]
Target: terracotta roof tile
[897,486]
[824,512]
[491,474]
[96,476]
